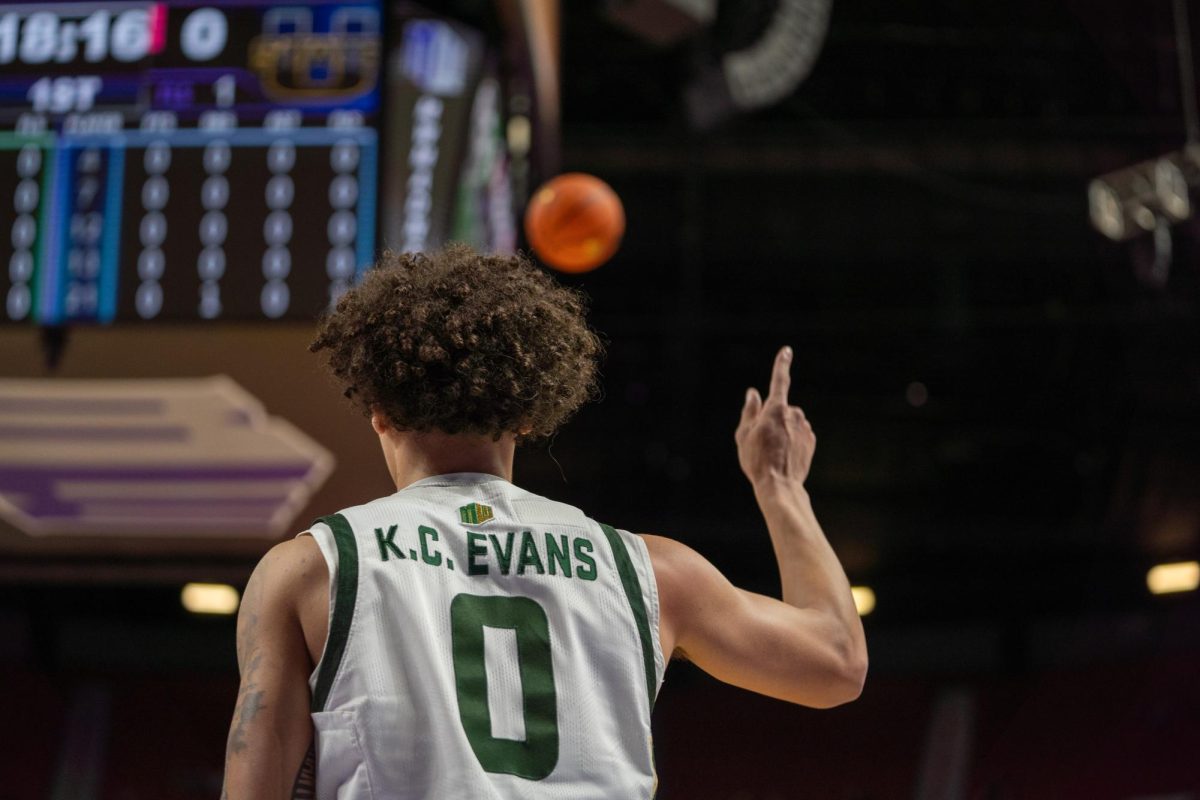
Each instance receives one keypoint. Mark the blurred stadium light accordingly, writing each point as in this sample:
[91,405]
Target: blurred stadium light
[747,76]
[1134,200]
[1180,576]
[1153,195]
[766,71]
[210,598]
[864,599]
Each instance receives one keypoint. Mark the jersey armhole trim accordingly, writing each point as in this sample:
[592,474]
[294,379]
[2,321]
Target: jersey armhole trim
[343,608]
[638,547]
[633,593]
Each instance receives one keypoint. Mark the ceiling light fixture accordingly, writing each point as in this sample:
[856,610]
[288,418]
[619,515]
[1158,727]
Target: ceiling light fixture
[1180,576]
[210,598]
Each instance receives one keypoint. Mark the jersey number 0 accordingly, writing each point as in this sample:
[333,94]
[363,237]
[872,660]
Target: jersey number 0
[533,757]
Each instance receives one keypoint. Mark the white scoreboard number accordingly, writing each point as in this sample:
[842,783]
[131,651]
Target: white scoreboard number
[204,34]
[45,37]
[49,37]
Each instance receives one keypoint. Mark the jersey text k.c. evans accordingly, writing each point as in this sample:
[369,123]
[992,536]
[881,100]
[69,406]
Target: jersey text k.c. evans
[507,554]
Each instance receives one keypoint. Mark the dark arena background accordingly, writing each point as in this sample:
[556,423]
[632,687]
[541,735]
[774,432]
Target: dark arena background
[972,220]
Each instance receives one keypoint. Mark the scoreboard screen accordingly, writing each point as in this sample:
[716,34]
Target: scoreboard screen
[185,160]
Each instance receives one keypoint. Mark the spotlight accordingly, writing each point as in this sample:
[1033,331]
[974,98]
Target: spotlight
[1140,198]
[210,598]
[1181,576]
[864,599]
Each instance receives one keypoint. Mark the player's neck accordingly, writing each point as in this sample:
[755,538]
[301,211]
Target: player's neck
[413,456]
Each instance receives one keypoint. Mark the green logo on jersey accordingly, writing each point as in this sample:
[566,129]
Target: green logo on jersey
[475,513]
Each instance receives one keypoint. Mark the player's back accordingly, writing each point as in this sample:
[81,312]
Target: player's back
[484,642]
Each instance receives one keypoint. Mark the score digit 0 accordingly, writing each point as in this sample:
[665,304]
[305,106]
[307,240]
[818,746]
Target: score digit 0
[204,34]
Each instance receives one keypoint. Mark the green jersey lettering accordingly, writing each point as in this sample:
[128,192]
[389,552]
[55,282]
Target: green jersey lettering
[560,555]
[529,555]
[503,555]
[476,546]
[587,568]
[386,545]
[432,559]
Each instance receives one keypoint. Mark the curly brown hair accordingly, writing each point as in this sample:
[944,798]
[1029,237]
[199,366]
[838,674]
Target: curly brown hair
[460,342]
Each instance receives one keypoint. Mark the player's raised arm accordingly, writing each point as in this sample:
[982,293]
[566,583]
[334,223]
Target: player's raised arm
[808,648]
[272,731]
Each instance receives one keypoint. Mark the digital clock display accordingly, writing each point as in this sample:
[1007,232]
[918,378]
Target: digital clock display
[40,35]
[185,160]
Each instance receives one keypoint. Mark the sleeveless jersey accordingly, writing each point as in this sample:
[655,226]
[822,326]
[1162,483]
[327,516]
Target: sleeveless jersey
[484,643]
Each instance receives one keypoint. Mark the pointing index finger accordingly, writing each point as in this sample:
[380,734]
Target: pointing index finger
[781,378]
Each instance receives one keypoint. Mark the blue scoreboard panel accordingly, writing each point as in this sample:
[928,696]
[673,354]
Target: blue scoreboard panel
[185,160]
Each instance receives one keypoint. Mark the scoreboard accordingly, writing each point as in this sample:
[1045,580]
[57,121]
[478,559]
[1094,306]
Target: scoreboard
[186,160]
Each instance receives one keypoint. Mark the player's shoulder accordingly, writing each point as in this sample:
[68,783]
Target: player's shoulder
[671,552]
[292,565]
[678,569]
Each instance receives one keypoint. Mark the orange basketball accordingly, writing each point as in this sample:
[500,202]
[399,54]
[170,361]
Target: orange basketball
[575,222]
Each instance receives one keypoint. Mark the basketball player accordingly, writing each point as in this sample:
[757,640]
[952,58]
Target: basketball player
[465,638]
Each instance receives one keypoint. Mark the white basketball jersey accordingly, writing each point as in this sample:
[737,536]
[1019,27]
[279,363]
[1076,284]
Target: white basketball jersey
[484,643]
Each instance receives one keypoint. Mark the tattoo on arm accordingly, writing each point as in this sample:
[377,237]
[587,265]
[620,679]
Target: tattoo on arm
[245,744]
[250,697]
[305,787]
[249,703]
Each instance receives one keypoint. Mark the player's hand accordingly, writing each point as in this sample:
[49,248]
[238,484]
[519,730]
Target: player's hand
[775,440]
